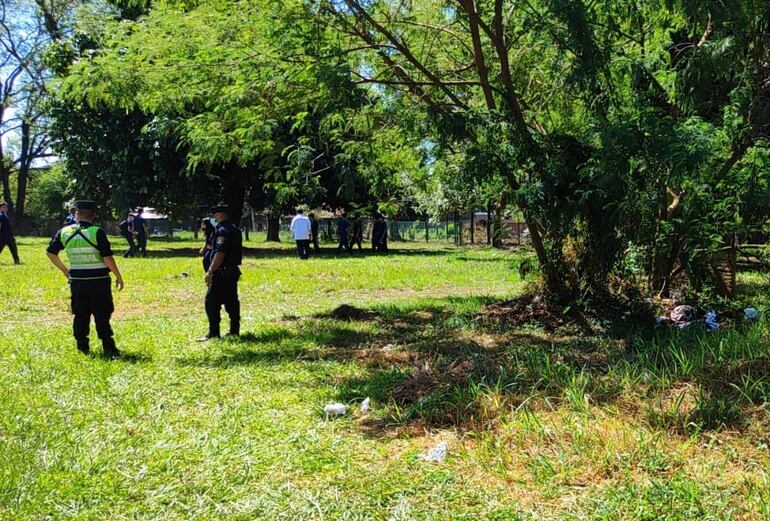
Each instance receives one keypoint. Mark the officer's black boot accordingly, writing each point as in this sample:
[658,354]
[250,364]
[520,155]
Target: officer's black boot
[208,336]
[110,349]
[235,328]
[83,346]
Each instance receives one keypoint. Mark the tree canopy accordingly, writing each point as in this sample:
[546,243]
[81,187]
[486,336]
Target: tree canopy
[632,135]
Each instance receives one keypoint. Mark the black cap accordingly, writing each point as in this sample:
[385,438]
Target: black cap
[85,205]
[223,208]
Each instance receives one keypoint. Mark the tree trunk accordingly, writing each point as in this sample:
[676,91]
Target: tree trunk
[25,162]
[273,228]
[497,228]
[5,177]
[489,224]
[458,230]
[473,225]
[5,173]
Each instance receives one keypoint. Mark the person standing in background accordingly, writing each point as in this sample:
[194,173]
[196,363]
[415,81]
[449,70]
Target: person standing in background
[207,228]
[70,219]
[314,233]
[6,233]
[301,232]
[379,234]
[357,235]
[343,225]
[125,231]
[140,232]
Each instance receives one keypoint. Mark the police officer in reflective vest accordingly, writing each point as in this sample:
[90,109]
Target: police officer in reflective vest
[223,274]
[90,263]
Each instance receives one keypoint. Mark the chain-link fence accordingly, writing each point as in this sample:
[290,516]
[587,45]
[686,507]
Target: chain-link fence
[467,229]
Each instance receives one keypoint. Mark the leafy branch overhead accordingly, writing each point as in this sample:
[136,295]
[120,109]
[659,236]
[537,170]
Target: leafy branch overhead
[618,130]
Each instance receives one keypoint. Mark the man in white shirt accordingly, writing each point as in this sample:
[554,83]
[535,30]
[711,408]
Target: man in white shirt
[300,230]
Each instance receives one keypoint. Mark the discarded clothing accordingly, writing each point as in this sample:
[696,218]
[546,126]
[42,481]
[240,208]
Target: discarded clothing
[711,321]
[751,314]
[684,316]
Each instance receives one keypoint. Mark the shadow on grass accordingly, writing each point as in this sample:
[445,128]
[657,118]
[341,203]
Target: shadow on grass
[442,363]
[130,358]
[284,253]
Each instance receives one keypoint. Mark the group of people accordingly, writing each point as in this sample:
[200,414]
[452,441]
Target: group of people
[91,261]
[304,231]
[134,227]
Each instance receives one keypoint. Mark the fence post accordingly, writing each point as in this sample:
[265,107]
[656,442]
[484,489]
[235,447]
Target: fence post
[489,225]
[473,226]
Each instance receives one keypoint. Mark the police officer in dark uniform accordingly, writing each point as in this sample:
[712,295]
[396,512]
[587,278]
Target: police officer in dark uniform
[90,263]
[223,274]
[6,233]
[125,230]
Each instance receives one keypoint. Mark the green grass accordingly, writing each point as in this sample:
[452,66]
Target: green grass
[539,425]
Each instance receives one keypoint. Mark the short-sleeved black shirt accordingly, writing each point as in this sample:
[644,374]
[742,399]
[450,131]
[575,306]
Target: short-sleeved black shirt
[102,244]
[5,226]
[228,240]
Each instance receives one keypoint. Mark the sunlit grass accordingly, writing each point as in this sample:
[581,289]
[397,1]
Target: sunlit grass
[539,426]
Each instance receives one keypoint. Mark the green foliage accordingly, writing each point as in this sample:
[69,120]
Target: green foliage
[49,192]
[608,125]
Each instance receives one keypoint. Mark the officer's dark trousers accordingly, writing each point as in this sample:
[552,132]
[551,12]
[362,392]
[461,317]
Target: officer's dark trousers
[141,244]
[92,297]
[316,247]
[131,246]
[380,244]
[224,291]
[303,248]
[344,243]
[11,243]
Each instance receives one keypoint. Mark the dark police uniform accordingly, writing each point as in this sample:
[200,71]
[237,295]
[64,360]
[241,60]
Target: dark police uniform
[125,231]
[380,235]
[358,233]
[86,246]
[6,237]
[314,234]
[208,251]
[342,230]
[223,289]
[141,234]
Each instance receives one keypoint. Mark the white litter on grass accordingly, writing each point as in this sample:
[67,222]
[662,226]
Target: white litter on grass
[388,347]
[336,409]
[751,314]
[365,405]
[437,454]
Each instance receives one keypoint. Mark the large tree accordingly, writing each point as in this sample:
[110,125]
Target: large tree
[606,119]
[23,74]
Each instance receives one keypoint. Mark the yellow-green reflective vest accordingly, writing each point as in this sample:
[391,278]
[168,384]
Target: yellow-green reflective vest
[80,245]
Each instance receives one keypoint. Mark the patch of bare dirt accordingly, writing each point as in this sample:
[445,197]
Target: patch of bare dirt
[350,313]
[526,309]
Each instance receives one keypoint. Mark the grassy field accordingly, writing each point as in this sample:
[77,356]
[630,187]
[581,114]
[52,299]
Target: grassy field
[539,425]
